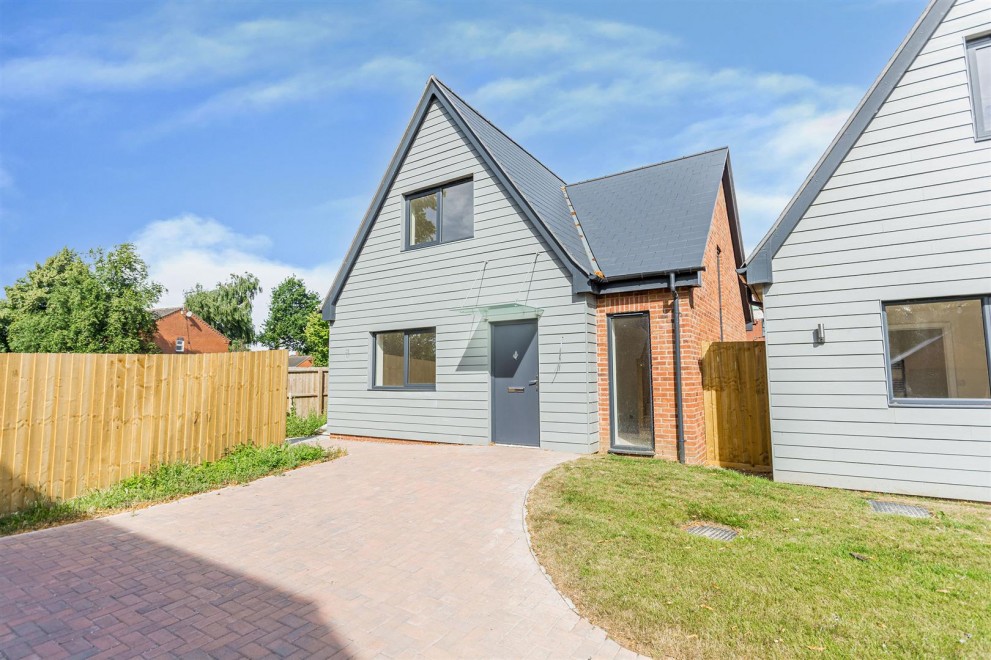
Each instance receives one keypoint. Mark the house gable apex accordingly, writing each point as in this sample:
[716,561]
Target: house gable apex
[435,93]
[758,266]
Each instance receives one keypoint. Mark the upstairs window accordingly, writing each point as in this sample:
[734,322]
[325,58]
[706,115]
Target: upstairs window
[938,351]
[440,215]
[979,69]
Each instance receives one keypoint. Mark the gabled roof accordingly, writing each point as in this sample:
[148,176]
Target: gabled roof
[653,219]
[531,185]
[758,266]
[162,312]
[635,225]
[537,183]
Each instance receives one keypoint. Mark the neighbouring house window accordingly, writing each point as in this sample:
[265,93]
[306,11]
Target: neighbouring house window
[440,215]
[979,69]
[938,350]
[406,359]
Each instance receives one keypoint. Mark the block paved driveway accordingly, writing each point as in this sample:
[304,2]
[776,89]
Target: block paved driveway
[395,550]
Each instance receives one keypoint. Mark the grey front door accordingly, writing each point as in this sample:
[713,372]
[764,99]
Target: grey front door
[515,385]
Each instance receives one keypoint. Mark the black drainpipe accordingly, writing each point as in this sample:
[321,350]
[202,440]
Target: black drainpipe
[719,287]
[677,368]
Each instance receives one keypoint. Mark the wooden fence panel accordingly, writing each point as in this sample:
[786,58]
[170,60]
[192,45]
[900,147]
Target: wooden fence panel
[71,423]
[308,390]
[737,414]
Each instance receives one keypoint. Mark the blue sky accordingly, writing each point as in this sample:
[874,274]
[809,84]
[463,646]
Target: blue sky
[223,137]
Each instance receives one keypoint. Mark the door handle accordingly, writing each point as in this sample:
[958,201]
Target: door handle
[535,381]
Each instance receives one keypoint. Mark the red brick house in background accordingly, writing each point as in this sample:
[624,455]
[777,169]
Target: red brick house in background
[300,361]
[179,331]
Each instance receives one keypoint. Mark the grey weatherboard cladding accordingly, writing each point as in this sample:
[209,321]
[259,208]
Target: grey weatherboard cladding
[758,266]
[436,92]
[653,219]
[641,224]
[539,186]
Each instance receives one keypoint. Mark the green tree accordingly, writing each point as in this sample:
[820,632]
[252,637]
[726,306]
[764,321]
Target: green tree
[5,320]
[291,307]
[317,338]
[72,305]
[227,307]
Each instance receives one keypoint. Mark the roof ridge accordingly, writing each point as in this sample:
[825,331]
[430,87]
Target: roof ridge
[209,327]
[448,90]
[644,167]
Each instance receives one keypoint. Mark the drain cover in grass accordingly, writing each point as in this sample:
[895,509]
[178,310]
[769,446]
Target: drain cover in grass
[710,532]
[898,509]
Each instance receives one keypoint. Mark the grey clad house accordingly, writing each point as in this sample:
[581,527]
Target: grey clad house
[876,280]
[468,307]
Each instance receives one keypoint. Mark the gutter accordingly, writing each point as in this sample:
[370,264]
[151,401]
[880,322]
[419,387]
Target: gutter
[676,313]
[645,281]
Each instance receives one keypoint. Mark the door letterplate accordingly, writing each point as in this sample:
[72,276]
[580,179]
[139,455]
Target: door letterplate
[515,390]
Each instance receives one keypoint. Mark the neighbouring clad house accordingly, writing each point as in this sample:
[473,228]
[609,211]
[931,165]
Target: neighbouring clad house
[180,331]
[876,280]
[485,300]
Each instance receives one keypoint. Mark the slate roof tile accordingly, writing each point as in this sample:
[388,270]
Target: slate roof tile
[652,219]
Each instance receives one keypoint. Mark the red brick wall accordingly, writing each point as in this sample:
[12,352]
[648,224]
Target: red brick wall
[200,337]
[706,309]
[757,334]
[699,323]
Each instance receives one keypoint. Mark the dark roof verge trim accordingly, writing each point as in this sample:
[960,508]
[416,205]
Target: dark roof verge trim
[758,267]
[434,92]
[736,234]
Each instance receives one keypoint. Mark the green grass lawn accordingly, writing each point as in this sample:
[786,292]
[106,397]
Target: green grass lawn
[609,531]
[168,482]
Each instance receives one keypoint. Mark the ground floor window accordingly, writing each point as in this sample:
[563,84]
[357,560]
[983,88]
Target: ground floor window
[405,359]
[938,350]
[631,404]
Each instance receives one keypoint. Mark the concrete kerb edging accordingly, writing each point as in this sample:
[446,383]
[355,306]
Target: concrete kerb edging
[533,554]
[529,542]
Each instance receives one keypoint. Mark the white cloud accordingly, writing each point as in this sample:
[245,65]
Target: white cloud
[629,80]
[772,152]
[188,250]
[264,96]
[164,51]
[594,78]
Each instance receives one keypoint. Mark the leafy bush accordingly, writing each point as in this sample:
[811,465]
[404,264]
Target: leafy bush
[298,426]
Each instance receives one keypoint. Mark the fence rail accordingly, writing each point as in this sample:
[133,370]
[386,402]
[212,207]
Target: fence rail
[308,390]
[737,415]
[70,423]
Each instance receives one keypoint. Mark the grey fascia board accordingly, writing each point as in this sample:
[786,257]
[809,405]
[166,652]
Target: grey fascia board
[431,93]
[758,267]
[646,282]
